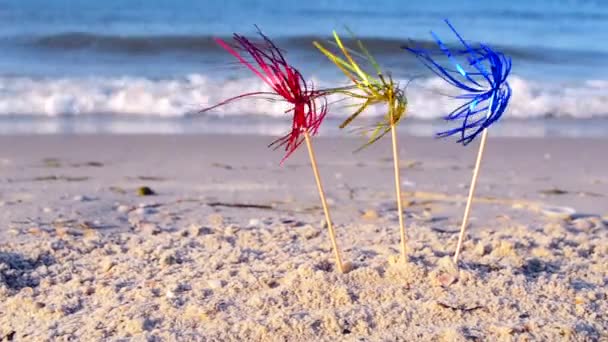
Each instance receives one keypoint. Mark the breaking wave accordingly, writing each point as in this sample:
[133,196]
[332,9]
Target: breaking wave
[178,97]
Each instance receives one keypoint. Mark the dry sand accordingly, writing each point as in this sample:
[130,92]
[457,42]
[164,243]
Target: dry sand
[232,248]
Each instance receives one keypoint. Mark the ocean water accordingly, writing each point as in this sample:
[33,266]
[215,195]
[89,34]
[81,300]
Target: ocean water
[150,65]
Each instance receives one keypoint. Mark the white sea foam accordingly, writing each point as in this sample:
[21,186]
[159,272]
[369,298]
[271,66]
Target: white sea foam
[180,96]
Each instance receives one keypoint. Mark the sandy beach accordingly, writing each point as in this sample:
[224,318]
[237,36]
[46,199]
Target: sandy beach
[231,246]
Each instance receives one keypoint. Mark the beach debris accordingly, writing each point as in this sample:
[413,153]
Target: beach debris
[145,191]
[373,88]
[88,164]
[482,79]
[554,191]
[106,264]
[60,178]
[51,162]
[241,205]
[308,106]
[557,212]
[370,214]
[82,198]
[457,306]
[222,166]
[444,230]
[446,272]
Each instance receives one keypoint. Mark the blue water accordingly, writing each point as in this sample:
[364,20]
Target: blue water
[553,32]
[156,58]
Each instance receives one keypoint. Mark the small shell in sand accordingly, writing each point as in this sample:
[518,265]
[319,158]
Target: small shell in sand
[557,212]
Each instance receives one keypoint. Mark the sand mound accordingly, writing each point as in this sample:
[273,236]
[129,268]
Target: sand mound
[277,282]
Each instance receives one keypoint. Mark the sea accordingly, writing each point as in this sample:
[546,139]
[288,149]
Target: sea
[150,66]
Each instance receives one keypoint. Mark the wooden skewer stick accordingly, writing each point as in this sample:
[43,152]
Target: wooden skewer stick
[467,210]
[330,227]
[398,192]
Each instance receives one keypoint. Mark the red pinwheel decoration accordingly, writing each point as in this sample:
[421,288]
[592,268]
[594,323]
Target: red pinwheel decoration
[287,83]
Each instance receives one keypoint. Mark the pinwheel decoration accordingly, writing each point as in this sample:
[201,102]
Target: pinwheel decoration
[480,73]
[307,105]
[373,89]
[287,84]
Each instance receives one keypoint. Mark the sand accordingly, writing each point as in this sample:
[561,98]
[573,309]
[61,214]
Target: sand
[232,247]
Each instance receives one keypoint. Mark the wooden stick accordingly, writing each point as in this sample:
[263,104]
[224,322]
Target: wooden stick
[398,192]
[465,219]
[330,227]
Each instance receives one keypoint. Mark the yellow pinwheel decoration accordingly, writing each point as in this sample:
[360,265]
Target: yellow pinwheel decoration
[372,89]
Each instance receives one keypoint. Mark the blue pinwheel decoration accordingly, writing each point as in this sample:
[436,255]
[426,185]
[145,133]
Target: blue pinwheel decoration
[482,78]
